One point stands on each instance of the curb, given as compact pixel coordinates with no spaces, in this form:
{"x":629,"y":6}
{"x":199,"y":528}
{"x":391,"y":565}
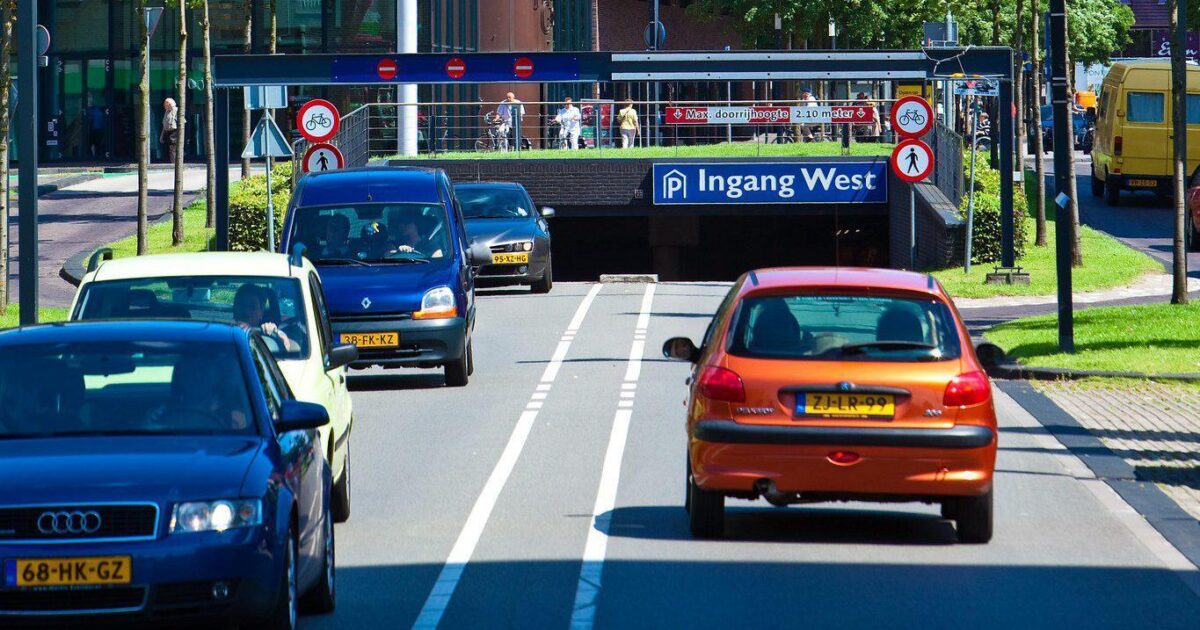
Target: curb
{"x":1018,"y":372}
{"x":1164,"y":515}
{"x":46,"y":189}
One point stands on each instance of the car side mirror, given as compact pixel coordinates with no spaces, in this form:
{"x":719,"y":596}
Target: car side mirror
{"x":479,"y":255}
{"x":300,"y":416}
{"x":342,"y":355}
{"x":681,"y":348}
{"x":989,"y":353}
{"x":548,"y":212}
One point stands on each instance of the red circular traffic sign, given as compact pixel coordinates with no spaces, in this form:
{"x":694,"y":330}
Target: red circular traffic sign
{"x":912,"y":160}
{"x":523,"y":67}
{"x":318,"y":120}
{"x":322,"y":157}
{"x":912,"y":116}
{"x":456,"y":68}
{"x":386,"y":69}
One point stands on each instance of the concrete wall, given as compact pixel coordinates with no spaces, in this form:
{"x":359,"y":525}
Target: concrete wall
{"x":940,"y":233}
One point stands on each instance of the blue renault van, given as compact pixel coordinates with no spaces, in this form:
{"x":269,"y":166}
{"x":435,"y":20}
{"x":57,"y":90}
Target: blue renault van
{"x":392,"y":251}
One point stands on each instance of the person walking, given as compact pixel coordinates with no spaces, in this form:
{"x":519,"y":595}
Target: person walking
{"x":169,"y":136}
{"x":569,"y":119}
{"x":509,"y":107}
{"x":804,"y":131}
{"x":628,"y":117}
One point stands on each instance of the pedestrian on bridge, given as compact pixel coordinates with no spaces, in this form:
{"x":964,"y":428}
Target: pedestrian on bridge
{"x":569,"y":119}
{"x":509,"y":107}
{"x":628,"y":117}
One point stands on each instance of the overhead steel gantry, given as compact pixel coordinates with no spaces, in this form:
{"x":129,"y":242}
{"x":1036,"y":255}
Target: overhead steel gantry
{"x":939,"y":64}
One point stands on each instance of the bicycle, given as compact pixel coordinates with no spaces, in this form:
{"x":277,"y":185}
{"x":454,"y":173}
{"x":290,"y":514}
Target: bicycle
{"x":318,"y":120}
{"x":911,"y":116}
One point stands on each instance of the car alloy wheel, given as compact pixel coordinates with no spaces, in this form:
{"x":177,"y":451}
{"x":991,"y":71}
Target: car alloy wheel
{"x":287,"y":606}
{"x":322,"y":598}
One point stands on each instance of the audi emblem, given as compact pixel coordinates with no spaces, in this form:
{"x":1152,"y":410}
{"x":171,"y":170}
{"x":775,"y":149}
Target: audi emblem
{"x":76,"y":522}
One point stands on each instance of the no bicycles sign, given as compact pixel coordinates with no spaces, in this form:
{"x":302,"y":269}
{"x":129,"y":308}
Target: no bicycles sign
{"x":912,"y":116}
{"x":317,"y":120}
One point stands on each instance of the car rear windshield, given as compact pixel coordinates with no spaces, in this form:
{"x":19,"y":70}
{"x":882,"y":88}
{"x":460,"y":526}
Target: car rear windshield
{"x":494,"y":203}
{"x":844,"y":327}
{"x":373,"y":233}
{"x":273,"y":306}
{"x":118,"y":388}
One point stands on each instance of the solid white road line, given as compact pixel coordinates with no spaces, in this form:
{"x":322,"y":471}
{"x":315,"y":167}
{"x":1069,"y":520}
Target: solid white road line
{"x":443,"y":589}
{"x":583,"y":614}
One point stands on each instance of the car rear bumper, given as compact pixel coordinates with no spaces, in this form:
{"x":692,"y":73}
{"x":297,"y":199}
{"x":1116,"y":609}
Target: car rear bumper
{"x":1161,"y":184}
{"x":172,"y":581}
{"x":423,"y":343}
{"x":891,"y":461}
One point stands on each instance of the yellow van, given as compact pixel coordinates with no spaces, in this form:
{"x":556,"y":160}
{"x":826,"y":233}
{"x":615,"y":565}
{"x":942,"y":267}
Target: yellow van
{"x":1133,"y":148}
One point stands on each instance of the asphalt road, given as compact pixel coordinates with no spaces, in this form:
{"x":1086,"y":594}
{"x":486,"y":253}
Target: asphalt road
{"x":535,"y":497}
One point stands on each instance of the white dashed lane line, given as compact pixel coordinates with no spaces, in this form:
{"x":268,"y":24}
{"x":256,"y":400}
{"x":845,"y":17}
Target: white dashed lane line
{"x":464,"y":547}
{"x":583,"y":614}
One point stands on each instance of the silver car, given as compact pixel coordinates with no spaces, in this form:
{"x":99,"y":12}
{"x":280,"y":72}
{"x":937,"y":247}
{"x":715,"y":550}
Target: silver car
{"x":502,"y":216}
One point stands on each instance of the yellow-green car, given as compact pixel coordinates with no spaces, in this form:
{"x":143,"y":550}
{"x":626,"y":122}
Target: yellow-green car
{"x":280,"y":296}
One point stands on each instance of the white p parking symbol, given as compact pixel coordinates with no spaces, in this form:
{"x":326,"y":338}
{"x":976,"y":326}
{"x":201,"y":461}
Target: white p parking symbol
{"x":674,"y":182}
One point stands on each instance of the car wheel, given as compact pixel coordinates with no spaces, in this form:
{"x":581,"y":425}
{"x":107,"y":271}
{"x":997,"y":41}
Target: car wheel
{"x":547,"y":281}
{"x":470,"y":359}
{"x":287,"y":604}
{"x":457,"y":372}
{"x":949,"y":509}
{"x":1097,"y":186}
{"x":707,"y":514}
{"x":973,"y":518}
{"x":322,"y":599}
{"x":1195,"y":242}
{"x":1112,"y":193}
{"x":341,"y":492}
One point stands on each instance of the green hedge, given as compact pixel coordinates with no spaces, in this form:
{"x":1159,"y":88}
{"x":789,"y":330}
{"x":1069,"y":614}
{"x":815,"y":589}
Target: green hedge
{"x":985,"y":241}
{"x":248,"y":209}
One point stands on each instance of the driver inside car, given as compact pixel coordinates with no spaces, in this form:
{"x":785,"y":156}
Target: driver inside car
{"x":407,"y":236}
{"x":337,"y":237}
{"x":202,"y":392}
{"x":249,"y":311}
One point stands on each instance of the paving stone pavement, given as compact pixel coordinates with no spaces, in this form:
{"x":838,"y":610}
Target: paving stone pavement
{"x":1155,"y":427}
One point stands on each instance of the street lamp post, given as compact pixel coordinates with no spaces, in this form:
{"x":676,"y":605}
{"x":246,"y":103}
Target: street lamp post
{"x":25,"y":32}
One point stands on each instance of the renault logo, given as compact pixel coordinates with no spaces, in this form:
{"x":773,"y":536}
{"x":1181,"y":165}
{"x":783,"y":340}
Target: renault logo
{"x":77,"y":522}
{"x":366,"y":303}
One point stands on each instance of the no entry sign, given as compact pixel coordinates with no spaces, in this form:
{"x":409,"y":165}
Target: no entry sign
{"x":912,"y":116}
{"x":523,"y":67}
{"x":386,"y":69}
{"x":317,"y":120}
{"x":456,"y":68}
{"x":322,"y":157}
{"x":912,"y":160}
{"x":755,"y":114}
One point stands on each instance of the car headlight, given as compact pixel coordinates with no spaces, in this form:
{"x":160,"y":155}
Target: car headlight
{"x":523,"y":246}
{"x":437,"y":303}
{"x":215,"y":516}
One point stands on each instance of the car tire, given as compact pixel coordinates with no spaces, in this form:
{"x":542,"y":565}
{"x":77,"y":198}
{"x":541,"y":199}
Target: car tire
{"x":287,"y":605}
{"x":322,"y":599}
{"x":1097,"y":186}
{"x":1112,"y":192}
{"x":341,"y":492}
{"x":547,"y":280}
{"x":470,"y":359}
{"x":973,"y":518}
{"x":949,"y":509}
{"x":458,"y":372}
{"x":707,"y":515}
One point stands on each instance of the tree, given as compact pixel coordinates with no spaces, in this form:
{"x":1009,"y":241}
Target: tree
{"x":143,"y":123}
{"x":181,"y":88}
{"x":1072,"y":219}
{"x":1179,"y":294}
{"x":6,"y":43}
{"x":210,"y":189}
{"x":1035,"y":107}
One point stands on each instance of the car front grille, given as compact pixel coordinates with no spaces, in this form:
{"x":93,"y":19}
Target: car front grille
{"x":69,"y":523}
{"x":75,"y":600}
{"x":371,"y":317}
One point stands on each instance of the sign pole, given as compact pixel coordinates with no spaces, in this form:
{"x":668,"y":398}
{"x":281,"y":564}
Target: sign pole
{"x":270,"y":202}
{"x":1062,"y":174}
{"x":25,"y":33}
{"x":971,"y":199}
{"x":912,"y":227}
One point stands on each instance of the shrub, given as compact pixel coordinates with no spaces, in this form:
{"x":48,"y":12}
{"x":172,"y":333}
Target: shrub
{"x":248,"y":209}
{"x":985,"y":240}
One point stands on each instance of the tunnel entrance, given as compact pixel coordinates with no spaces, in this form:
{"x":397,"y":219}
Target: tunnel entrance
{"x":720,"y":247}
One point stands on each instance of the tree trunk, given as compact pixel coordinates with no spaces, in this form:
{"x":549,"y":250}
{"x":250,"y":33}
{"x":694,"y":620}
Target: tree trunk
{"x":1019,"y":95}
{"x":1179,"y":294}
{"x":1035,"y":107}
{"x":143,"y":123}
{"x":210,"y":188}
{"x":6,"y":41}
{"x":1072,"y":184}
{"x":274,"y":26}
{"x":247,"y":32}
{"x":181,"y":87}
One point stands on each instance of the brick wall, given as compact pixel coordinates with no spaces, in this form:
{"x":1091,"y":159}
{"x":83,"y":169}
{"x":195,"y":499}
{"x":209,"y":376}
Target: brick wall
{"x":940,"y":233}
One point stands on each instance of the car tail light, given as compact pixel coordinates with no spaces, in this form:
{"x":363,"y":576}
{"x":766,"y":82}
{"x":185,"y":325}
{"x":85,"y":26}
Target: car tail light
{"x":717,"y":383}
{"x":1117,"y":145}
{"x":970,"y":388}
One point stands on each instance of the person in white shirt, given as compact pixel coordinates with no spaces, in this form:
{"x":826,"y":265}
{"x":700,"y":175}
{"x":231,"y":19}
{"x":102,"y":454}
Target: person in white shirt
{"x":569,"y":119}
{"x":509,"y":108}
{"x":804,"y":131}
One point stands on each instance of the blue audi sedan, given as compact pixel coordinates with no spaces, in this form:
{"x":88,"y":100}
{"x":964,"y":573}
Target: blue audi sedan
{"x":159,"y":472}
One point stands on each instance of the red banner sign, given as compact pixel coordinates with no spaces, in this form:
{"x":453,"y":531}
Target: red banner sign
{"x":770,"y":115}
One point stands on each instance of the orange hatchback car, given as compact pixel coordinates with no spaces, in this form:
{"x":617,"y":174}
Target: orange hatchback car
{"x":825,"y":384}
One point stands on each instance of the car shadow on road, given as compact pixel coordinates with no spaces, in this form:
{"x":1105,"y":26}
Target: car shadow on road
{"x":792,"y":524}
{"x":374,"y":382}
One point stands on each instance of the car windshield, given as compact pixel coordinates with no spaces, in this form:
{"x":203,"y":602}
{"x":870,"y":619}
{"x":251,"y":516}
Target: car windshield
{"x":845,"y":327}
{"x":493,"y":203}
{"x":373,"y":233}
{"x":115,"y":388}
{"x":273,"y":306}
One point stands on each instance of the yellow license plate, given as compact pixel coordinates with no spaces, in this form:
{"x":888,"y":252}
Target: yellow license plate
{"x":510,"y":259}
{"x":853,"y":406}
{"x":1143,"y":183}
{"x":372,"y":340}
{"x":69,"y":571}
